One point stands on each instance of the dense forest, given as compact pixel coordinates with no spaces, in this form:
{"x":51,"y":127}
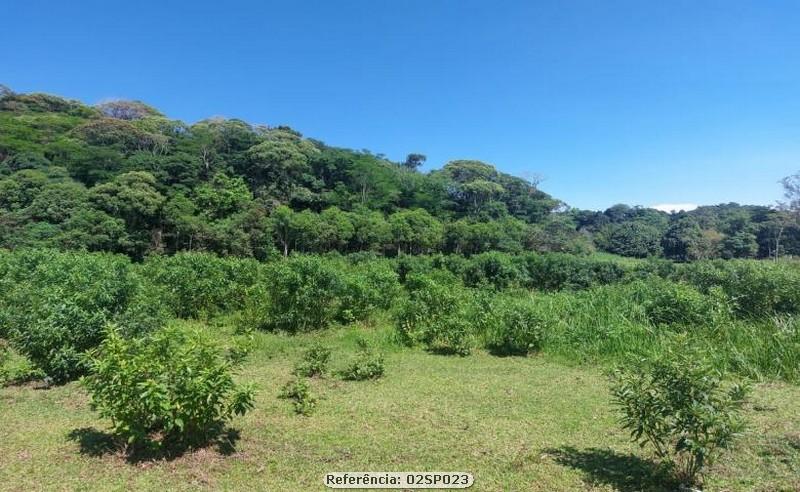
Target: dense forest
{"x":122,"y":177}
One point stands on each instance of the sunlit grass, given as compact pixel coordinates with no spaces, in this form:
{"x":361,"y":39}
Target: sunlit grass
{"x":515,"y":423}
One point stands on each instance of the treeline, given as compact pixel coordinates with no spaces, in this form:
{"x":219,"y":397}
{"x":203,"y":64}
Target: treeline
{"x":122,"y":177}
{"x":720,"y":231}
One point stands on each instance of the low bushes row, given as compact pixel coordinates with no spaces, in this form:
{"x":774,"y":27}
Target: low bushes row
{"x":56,"y":306}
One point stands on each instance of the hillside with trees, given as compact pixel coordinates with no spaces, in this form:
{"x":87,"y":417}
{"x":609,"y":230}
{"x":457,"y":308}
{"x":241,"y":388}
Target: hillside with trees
{"x":122,"y":177}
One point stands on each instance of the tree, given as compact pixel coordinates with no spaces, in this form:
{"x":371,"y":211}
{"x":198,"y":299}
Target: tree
{"x":791,"y":205}
{"x":634,"y":239}
{"x":742,"y":244}
{"x":127,"y":110}
{"x":371,"y":231}
{"x":134,"y":198}
{"x":414,"y":161}
{"x":415,"y":231}
{"x":282,"y":221}
{"x":223,"y":196}
{"x":684,"y":240}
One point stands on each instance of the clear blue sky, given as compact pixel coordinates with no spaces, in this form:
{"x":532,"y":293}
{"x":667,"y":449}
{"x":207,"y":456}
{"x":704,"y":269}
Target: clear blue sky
{"x":642,"y":102}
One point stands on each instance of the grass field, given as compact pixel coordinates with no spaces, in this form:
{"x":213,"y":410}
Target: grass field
{"x":514,"y":423}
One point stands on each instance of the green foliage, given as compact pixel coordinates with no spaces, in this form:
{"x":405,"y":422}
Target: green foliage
{"x":56,"y":306}
{"x":673,"y":303}
{"x":556,"y":271}
{"x":174,"y":384}
{"x":366,"y":288}
{"x":314,"y":362}
{"x":635,"y":239}
{"x":199,"y":285}
{"x":303,"y":294}
{"x":518,"y":327}
{"x":368,"y":364}
{"x":755,"y":289}
{"x":303,"y":399}
{"x":438,"y":315}
{"x":681,"y":407}
{"x":494,"y":269}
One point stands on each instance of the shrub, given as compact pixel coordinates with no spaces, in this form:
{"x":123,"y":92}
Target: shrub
{"x":757,"y":288}
{"x":680,"y":406}
{"x":672,"y":303}
{"x":437,"y":315}
{"x":58,"y":305}
{"x":199,"y":285}
{"x":173,"y":383}
{"x":519,"y":328}
{"x":303,"y":294}
{"x":556,"y":271}
{"x":314,"y":362}
{"x":15,"y":368}
{"x":299,"y":391}
{"x":494,"y":269}
{"x":369,"y":364}
{"x":366,"y":288}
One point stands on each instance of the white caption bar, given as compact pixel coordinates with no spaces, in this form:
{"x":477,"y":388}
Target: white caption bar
{"x":397,"y":480}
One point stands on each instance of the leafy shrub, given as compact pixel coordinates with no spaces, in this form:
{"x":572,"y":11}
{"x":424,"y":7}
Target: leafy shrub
{"x":173,"y":383}
{"x":679,"y":406}
{"x":299,"y":391}
{"x":366,"y":288}
{"x":673,"y":303}
{"x":556,"y":271}
{"x":303,"y":294}
{"x":495,"y":269}
{"x":757,"y":288}
{"x":314,"y":362}
{"x":198,"y":285}
{"x":519,"y":328}
{"x":368,"y":364}
{"x":437,"y":315}
{"x":15,"y":368}
{"x":58,"y":305}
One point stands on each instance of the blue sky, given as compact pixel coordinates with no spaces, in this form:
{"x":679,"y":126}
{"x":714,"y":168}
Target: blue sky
{"x":641,"y":102}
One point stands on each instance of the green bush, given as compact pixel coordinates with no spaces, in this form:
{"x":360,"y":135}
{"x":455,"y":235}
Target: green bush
{"x":519,"y":328}
{"x":494,"y":269}
{"x":368,"y":364}
{"x":303,"y":399}
{"x":199,"y":285}
{"x":314,"y":362}
{"x":756,"y":288}
{"x":438,"y":315}
{"x":174,"y":384}
{"x":557,"y":271}
{"x":58,"y":304}
{"x":678,"y":405}
{"x":304,"y":294}
{"x":366,"y":288}
{"x":673,"y":303}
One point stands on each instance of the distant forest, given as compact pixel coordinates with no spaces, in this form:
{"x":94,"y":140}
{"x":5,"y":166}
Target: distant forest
{"x":122,"y":177}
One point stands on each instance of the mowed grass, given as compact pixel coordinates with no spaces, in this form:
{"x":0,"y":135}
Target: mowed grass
{"x":514,"y":423}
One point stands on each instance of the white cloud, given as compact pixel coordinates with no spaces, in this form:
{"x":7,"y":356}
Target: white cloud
{"x":674,"y":207}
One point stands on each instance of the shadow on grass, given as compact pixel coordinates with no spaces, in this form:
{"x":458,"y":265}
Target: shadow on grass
{"x":623,"y":472}
{"x":96,"y":443}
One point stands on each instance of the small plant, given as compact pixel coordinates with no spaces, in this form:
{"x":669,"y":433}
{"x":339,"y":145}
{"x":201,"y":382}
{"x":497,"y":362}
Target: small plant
{"x":441,"y":316}
{"x":314,"y":362}
{"x":174,"y":384}
{"x":519,"y":329}
{"x":369,"y":364}
{"x":299,"y":391}
{"x":679,"y":406}
{"x":303,"y":295}
{"x":674,"y":303}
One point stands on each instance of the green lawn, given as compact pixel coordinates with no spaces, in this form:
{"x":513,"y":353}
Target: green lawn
{"x":514,"y":423}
